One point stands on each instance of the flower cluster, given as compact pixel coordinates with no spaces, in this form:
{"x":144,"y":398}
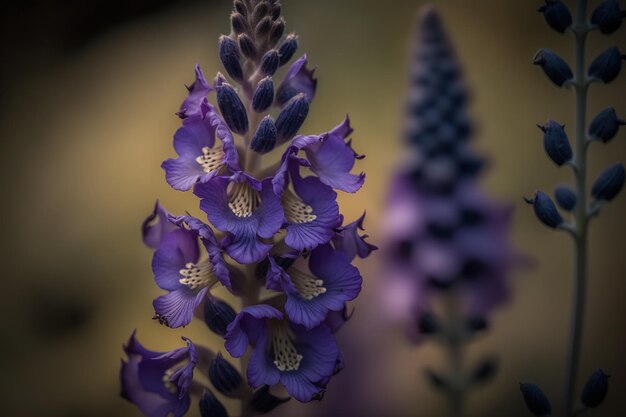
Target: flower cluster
{"x":272,"y":230}
{"x":447,"y":243}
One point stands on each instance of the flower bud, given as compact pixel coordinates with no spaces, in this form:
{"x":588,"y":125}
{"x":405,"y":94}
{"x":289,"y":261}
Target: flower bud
{"x":565,"y":197}
{"x":246,"y":46}
{"x":607,"y":16}
{"x":545,"y":210}
{"x":260,"y":11}
{"x":557,"y":15}
{"x":291,"y":117}
{"x":263,"y":401}
{"x":264,"y":139}
{"x":240,"y":7}
{"x":239,"y":23}
{"x":231,"y":107}
{"x":263,"y":27}
{"x":556,"y":143}
{"x":427,"y":323}
{"x":485,"y":370}
{"x":595,"y":389}
{"x":277,"y":30}
{"x":607,"y":65}
{"x":288,"y":48}
{"x":218,"y":315}
{"x":605,"y":125}
{"x":275,"y":11}
{"x":554,"y":66}
{"x":270,"y":62}
{"x":211,"y":406}
{"x":536,"y":400}
{"x":224,"y":376}
{"x":263,"y":95}
{"x":609,"y":182}
{"x":229,"y":55}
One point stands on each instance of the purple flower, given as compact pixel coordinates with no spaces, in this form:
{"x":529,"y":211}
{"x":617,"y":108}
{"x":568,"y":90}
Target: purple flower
{"x":179,"y":269}
{"x":298,"y":79}
{"x":248,"y":210}
{"x":329,"y":283}
{"x":327,"y":155}
{"x":155,"y":226}
{"x":350,"y":242}
{"x":200,"y":158}
{"x":198,"y":91}
{"x":300,"y":359}
{"x":156,"y":382}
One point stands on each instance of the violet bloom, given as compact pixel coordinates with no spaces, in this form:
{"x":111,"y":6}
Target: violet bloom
{"x":155,"y":226}
{"x":300,"y":359}
{"x":351,"y":242}
{"x":158,"y":382}
{"x":197,"y":94}
{"x":329,"y":283}
{"x":298,"y":80}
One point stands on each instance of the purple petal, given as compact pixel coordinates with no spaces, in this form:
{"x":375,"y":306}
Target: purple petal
{"x":261,"y":371}
{"x":176,"y":249}
{"x":176,"y":308}
{"x":298,"y":79}
{"x":155,"y":226}
{"x":351,"y":243}
{"x":332,"y":161}
{"x":248,"y":327}
{"x":197,"y":93}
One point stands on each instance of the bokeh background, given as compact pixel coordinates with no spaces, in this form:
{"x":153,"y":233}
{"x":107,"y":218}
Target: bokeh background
{"x":88,"y":95}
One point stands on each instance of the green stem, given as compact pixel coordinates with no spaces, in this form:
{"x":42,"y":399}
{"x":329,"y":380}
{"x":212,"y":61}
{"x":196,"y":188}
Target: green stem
{"x":580,"y":239}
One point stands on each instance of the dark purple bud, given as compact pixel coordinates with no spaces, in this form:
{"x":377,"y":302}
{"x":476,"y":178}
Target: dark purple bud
{"x":545,"y":210}
{"x":260,"y":11}
{"x":277,"y":31}
{"x":291,"y":117}
{"x":565,"y":197}
{"x":263,"y":27}
{"x":270,"y":62}
{"x":554,"y":66}
{"x":246,"y":46}
{"x":476,"y":323}
{"x":263,"y":95}
{"x":436,"y":379}
{"x":211,"y":406}
{"x":609,"y":183}
{"x":427,"y":323}
{"x":240,"y":7}
{"x":607,"y":16}
{"x":263,"y":401}
{"x":232,"y":109}
{"x":239,"y":23}
{"x":218,"y":315}
{"x":224,"y":376}
{"x":557,"y":15}
{"x":607,"y":65}
{"x":605,"y":125}
{"x":595,"y":389}
{"x":229,"y":55}
{"x":536,"y":400}
{"x":485,"y":370}
{"x":556,"y":143}
{"x":265,"y":137}
{"x":288,"y":48}
{"x":276,"y":10}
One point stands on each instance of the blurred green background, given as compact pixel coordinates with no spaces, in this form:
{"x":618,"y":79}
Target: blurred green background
{"x":88,"y":95}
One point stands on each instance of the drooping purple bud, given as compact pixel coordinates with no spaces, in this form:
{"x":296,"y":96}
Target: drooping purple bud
{"x":298,"y":79}
{"x":277,"y":31}
{"x":265,"y":137}
{"x":536,"y":400}
{"x":545,"y":210}
{"x":231,"y":107}
{"x":554,"y":66}
{"x":263,"y":28}
{"x":224,"y":376}
{"x":485,"y":370}
{"x":263,"y":95}
{"x":270,"y":62}
{"x":240,"y":7}
{"x":427,"y":323}
{"x":565,"y":197}
{"x":557,"y":15}
{"x":556,"y":143}
{"x":607,"y":65}
{"x":291,"y":117}
{"x":595,"y":389}
{"x":218,"y":315}
{"x":239,"y":23}
{"x":609,"y":183}
{"x":605,"y":125}
{"x":229,"y":55}
{"x":288,"y":48}
{"x":263,"y":401}
{"x":607,"y":16}
{"x":211,"y":406}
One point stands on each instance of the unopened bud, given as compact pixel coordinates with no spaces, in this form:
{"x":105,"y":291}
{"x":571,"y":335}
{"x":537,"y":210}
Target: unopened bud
{"x":246,"y":46}
{"x":263,"y":95}
{"x":263,"y":28}
{"x":275,"y":11}
{"x":218,"y":315}
{"x":607,"y":65}
{"x":556,"y":143}
{"x":240,"y":7}
{"x":224,"y":376}
{"x":288,"y":48}
{"x":557,"y":15}
{"x":260,"y":11}
{"x":239,"y":23}
{"x":291,"y":117}
{"x":263,"y":401}
{"x":554,"y":66}
{"x":264,"y":139}
{"x":229,"y":55}
{"x":595,"y":389}
{"x":270,"y":62}
{"x":211,"y":406}
{"x":609,"y":183}
{"x":545,"y":210}
{"x":565,"y":197}
{"x":605,"y":125}
{"x":607,"y":16}
{"x":232,"y":108}
{"x":277,"y":31}
{"x":536,"y":400}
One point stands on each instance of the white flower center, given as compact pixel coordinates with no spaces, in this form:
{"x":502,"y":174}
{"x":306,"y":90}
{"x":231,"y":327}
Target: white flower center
{"x":296,"y":211}
{"x":197,"y":275}
{"x":211,"y":158}
{"x":286,"y":357}
{"x":243,"y":199}
{"x":308,"y":286}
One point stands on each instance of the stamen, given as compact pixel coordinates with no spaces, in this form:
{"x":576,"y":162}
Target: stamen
{"x":197,"y":275}
{"x":296,"y":211}
{"x":211,"y":159}
{"x":308,"y":286}
{"x":243,"y":199}
{"x":286,"y":357}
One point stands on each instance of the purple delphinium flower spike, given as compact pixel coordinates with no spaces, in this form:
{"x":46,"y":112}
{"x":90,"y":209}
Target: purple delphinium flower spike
{"x":158,"y":383}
